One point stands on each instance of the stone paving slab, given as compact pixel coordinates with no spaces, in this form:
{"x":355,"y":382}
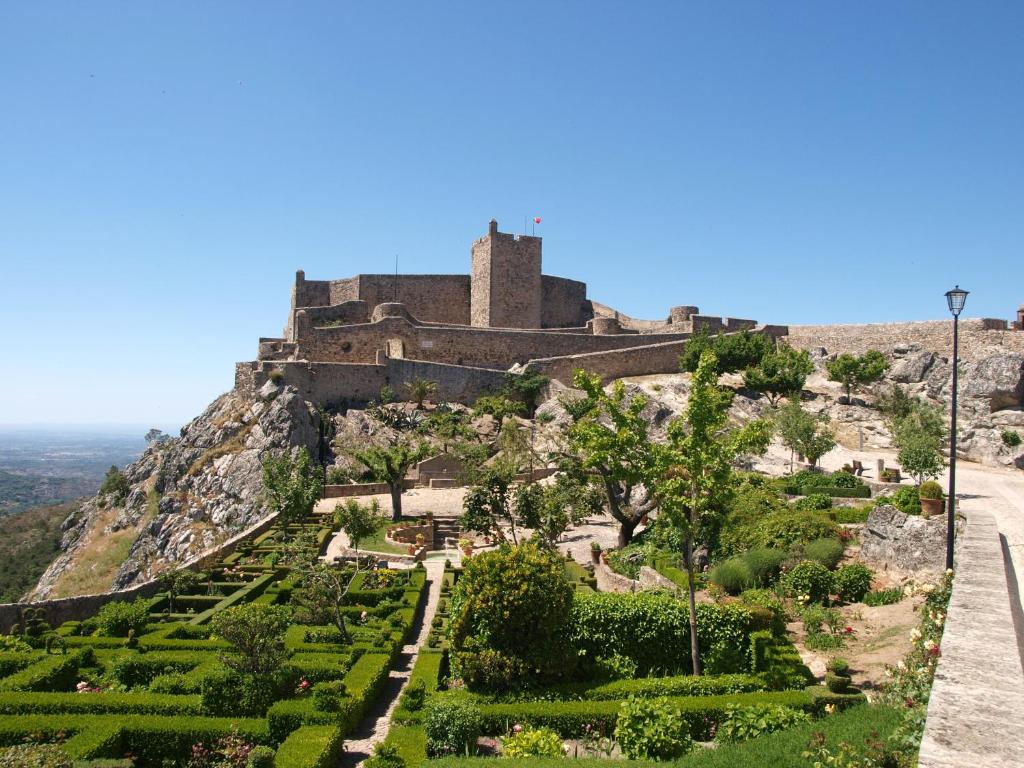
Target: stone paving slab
{"x":976,"y":710}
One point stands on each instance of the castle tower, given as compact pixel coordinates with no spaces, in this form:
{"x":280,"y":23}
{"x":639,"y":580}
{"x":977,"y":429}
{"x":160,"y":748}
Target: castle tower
{"x":505,"y":281}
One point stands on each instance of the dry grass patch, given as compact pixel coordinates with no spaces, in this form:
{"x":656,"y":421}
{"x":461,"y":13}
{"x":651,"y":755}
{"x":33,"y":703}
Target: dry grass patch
{"x":234,"y":444}
{"x":98,"y":560}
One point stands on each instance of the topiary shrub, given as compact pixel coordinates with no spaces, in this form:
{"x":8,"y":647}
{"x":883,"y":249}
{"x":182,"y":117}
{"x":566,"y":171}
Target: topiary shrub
{"x":118,"y":619}
{"x":532,"y":742}
{"x":385,"y":755}
{"x":905,"y":499}
{"x":510,"y":617}
{"x":732,"y":575}
{"x":260,"y":757}
{"x":852,"y":582}
{"x":828,"y":552}
{"x":930,"y":490}
{"x":764,"y":565}
{"x":808,"y":579}
{"x":452,"y":725}
{"x":652,"y":729}
{"x":414,"y":695}
{"x":742,"y":723}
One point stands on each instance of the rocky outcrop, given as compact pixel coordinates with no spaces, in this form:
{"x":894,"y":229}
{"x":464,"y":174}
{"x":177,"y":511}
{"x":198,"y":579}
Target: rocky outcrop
{"x":904,"y":545}
{"x":188,"y":494}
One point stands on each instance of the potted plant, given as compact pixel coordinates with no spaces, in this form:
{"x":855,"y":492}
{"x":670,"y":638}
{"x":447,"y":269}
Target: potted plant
{"x":931,"y":499}
{"x":420,"y":539}
{"x":595,"y":552}
{"x":466,"y":546}
{"x":412,"y":549}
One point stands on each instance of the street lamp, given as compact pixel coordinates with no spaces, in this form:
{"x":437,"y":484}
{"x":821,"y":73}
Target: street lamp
{"x":955,"y":299}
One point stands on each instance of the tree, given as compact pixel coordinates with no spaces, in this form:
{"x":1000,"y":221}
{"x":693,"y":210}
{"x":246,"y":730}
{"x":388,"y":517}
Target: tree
{"x":527,"y":387}
{"x":803,"y":432}
{"x":498,"y":406}
{"x":420,"y":389}
{"x":448,"y":426}
{"x":550,"y":510}
{"x":734,"y":351}
{"x":608,"y":436}
{"x":115,"y":486}
{"x":358,"y":520}
{"x":292,"y":486}
{"x":156,"y":437}
{"x":852,"y":371}
{"x":390,"y":463}
{"x":178,"y":582}
{"x":256,"y":630}
{"x":918,"y":436}
{"x":780,"y":373}
{"x":488,"y":504}
{"x":693,"y":478}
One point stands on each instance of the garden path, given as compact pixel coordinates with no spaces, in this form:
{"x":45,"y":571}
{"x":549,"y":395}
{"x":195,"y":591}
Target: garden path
{"x":374,"y":726}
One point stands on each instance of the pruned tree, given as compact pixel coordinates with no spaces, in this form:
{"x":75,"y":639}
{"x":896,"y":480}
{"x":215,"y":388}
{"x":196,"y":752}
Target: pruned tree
{"x":693,"y":475}
{"x":256,"y":631}
{"x":179,"y":582}
{"x":291,"y":486}
{"x":918,"y":436}
{"x":358,"y":521}
{"x":389,"y":464}
{"x":781,"y":373}
{"x":803,"y":432}
{"x":608,"y":436}
{"x":853,"y":371}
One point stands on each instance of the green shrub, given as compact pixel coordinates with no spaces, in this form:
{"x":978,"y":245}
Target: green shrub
{"x":813,"y":501}
{"x":414,"y":695}
{"x":858,"y":514}
{"x":1011,"y":438}
{"x":828,"y":552}
{"x":852,"y":582}
{"x":732,"y":575}
{"x":837,"y":683}
{"x":385,"y":755}
{"x":328,"y":695}
{"x":904,"y":498}
{"x":260,"y":757}
{"x":883,"y":597}
{"x":930,"y":490}
{"x":742,"y":723}
{"x":311,"y":746}
{"x":652,"y":629}
{"x":510,"y":613}
{"x":838,"y":665}
{"x":615,"y":668}
{"x":808,"y":480}
{"x":780,"y":530}
{"x":228,"y":692}
{"x":452,"y":726}
{"x":35,"y":756}
{"x":809,"y":579}
{"x":118,"y":618}
{"x":764,"y":565}
{"x":651,"y":729}
{"x":115,"y":485}
{"x":532,"y":742}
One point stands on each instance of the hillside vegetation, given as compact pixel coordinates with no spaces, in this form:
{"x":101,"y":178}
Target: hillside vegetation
{"x":30,"y":541}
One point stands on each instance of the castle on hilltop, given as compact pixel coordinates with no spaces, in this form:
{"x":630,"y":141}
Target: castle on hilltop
{"x":344,"y":340}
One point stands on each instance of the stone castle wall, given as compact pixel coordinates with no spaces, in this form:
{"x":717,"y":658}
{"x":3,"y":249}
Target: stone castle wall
{"x":505,"y":274}
{"x":976,"y":336}
{"x":478,"y":347}
{"x":564,"y":303}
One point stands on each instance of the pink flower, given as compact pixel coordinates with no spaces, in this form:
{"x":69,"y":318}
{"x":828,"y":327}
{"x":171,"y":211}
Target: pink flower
{"x":517,"y":728}
{"x":849,"y":630}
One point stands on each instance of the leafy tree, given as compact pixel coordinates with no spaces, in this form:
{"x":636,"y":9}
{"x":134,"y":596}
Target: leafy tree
{"x":420,"y":389}
{"x":358,"y":520}
{"x":498,"y":406}
{"x":488,"y":505}
{"x":608,"y":436}
{"x":734,"y":351}
{"x":292,"y":486}
{"x":854,"y":371}
{"x":693,"y":482}
{"x":390,"y":463}
{"x":550,"y":510}
{"x":178,"y":582}
{"x":115,"y":485}
{"x":894,"y":404}
{"x":256,"y":630}
{"x":780,"y":373}
{"x":526,"y":386}
{"x":448,"y":426}
{"x":803,"y":432}
{"x":156,"y":437}
{"x":918,"y":437}
{"x":324,"y":592}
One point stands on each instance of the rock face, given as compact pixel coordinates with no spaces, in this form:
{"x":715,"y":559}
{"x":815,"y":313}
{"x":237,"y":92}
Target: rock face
{"x":190,"y":493}
{"x":904,"y":545}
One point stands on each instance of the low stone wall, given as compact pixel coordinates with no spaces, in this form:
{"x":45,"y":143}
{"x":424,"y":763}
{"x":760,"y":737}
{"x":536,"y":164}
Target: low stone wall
{"x":83,"y":606}
{"x":974,"y":714}
{"x":407,"y":534}
{"x":354,"y":489}
{"x":610,"y":581}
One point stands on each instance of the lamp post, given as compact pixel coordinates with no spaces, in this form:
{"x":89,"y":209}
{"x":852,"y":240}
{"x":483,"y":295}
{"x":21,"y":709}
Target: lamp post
{"x":955,"y":299}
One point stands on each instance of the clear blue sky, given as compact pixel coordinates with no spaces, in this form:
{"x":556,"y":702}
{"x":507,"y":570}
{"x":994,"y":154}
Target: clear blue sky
{"x":165,"y":168}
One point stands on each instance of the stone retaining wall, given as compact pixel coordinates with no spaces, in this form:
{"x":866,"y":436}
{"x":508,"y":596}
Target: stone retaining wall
{"x":977,"y":701}
{"x":610,"y":581}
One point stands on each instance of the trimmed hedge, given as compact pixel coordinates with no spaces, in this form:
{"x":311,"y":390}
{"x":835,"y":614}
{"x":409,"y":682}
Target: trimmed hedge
{"x":31,"y":702}
{"x":51,"y":673}
{"x":700,"y":713}
{"x":428,"y":670}
{"x":860,"y":492}
{"x":311,"y":746}
{"x":15,"y":661}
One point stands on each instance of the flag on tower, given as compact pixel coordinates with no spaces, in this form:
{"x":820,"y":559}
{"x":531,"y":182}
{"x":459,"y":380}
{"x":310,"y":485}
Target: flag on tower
{"x":536,"y":219}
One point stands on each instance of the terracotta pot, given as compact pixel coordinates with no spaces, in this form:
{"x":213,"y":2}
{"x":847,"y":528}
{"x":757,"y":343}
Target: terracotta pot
{"x":931,"y":507}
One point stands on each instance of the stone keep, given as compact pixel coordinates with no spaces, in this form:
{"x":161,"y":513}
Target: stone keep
{"x":505,"y":280}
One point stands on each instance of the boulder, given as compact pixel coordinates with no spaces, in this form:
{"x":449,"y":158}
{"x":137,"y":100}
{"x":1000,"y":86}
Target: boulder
{"x":998,"y":380}
{"x":904,"y":545}
{"x":912,"y":368}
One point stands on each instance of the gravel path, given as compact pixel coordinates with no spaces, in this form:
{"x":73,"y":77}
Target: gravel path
{"x":377,"y":720}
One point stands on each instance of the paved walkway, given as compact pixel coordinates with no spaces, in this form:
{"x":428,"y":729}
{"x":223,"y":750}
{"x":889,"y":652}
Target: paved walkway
{"x":377,"y":720}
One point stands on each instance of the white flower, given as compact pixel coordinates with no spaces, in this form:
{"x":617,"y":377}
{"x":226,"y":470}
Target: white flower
{"x":901,"y":666}
{"x":915,"y":634}
{"x":927,"y":588}
{"x":929,"y":644}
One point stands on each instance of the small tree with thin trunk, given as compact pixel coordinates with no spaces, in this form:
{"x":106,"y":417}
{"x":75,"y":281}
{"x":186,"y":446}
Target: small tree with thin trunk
{"x":854,"y":371}
{"x":176,"y":583}
{"x":803,"y":432}
{"x":358,"y":521}
{"x":781,"y":373}
{"x":389,"y":463}
{"x":693,"y":477}
{"x":608,"y":436}
{"x":292,"y":486}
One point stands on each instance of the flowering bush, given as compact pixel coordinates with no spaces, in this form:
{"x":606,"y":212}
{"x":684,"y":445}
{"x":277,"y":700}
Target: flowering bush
{"x":532,"y":742}
{"x":809,"y":579}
